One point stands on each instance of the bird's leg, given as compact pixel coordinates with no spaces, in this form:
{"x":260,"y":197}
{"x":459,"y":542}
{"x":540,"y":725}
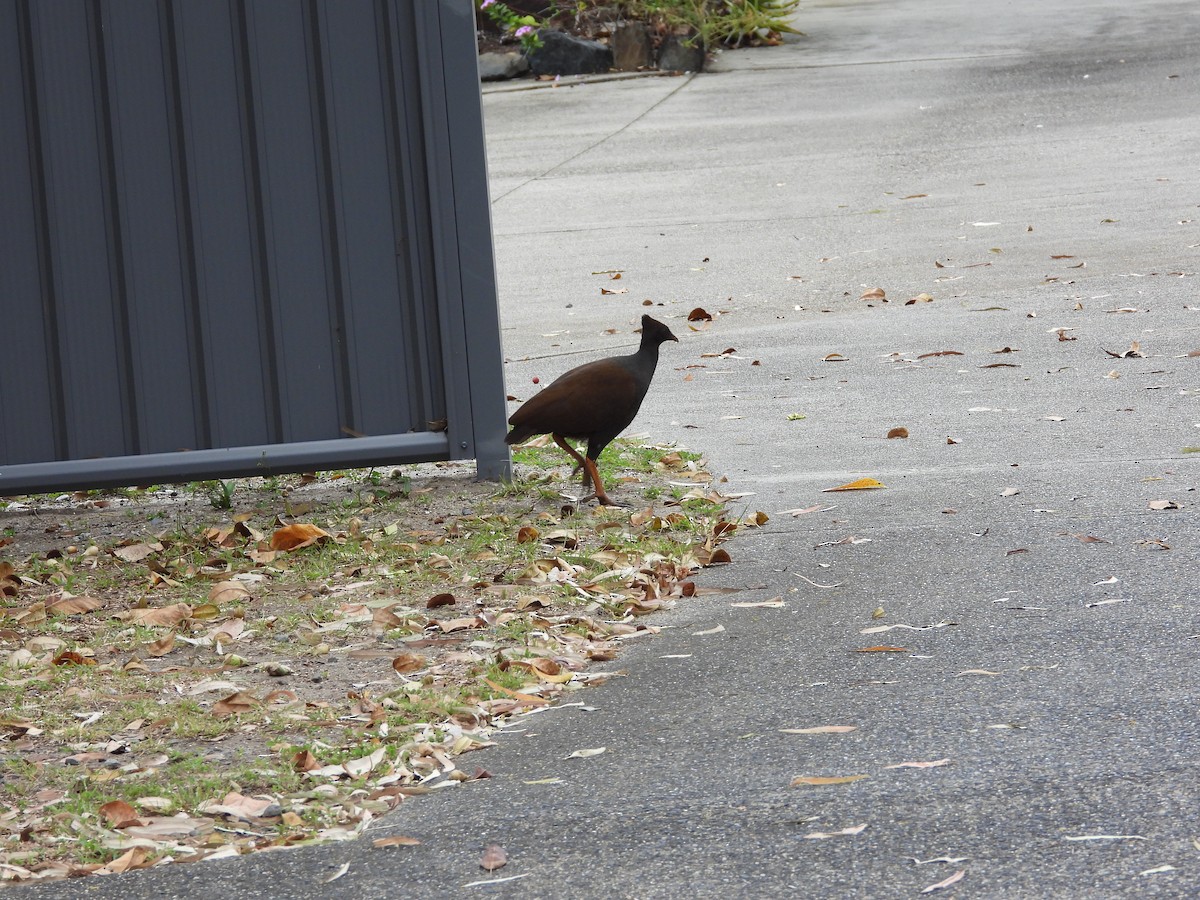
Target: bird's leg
{"x":589,"y":466}
{"x":579,"y":463}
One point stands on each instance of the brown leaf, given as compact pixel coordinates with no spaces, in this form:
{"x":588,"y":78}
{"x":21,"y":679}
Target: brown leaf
{"x":518,"y":695}
{"x":494,"y":858}
{"x":69,"y":606}
{"x":1001,"y":366}
{"x":304,"y":761}
{"x":156,"y":615}
{"x":131,"y":859}
{"x":1135,"y":350}
{"x":120,"y":814}
{"x":409,"y":662}
{"x":941,"y":353}
{"x":437,"y":600}
{"x":899,"y":432}
{"x":920,"y":298}
{"x":296,"y":536}
{"x":227,"y":592}
{"x":876,"y":293}
{"x":73,"y":658}
{"x":161,"y":647}
{"x":526,"y":534}
{"x":882,"y":648}
{"x":233,"y":705}
{"x":699,"y":314}
{"x":401,"y":840}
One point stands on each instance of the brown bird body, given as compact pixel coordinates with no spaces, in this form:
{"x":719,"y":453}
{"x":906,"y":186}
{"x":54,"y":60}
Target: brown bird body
{"x":594,"y":402}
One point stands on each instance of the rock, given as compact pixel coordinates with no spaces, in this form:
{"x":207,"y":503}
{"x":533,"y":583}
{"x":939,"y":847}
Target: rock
{"x":562,"y":54}
{"x":678,"y":56}
{"x":499,"y":66}
{"x":631,"y":47}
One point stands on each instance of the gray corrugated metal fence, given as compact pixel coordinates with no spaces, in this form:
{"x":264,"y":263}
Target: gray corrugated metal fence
{"x":242,"y":229}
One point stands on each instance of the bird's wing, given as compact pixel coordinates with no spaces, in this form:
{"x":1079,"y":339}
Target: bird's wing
{"x":591,"y":398}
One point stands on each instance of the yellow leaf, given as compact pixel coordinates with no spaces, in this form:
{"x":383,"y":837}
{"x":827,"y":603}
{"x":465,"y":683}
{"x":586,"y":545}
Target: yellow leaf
{"x":863,"y":484}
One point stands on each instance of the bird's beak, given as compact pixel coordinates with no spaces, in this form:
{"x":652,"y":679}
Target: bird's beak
{"x":675,"y":339}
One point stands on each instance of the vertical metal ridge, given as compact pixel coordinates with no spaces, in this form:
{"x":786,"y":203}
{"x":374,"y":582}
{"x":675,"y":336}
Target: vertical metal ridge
{"x":115,"y":239}
{"x":41,"y":205}
{"x":201,"y":395}
{"x":321,"y":95}
{"x":405,"y":213}
{"x":256,"y":208}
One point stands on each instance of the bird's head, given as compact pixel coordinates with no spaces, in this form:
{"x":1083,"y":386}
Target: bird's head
{"x":654,"y":331}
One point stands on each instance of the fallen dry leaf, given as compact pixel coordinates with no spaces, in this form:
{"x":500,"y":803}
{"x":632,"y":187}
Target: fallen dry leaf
{"x":953,"y":879}
{"x":120,"y":814}
{"x":822,"y":835}
{"x":821,"y":729}
{"x":162,"y":615}
{"x":822,"y":779}
{"x":409,"y":662}
{"x":494,"y":858}
{"x":876,"y":293}
{"x":920,"y":765}
{"x":899,"y":432}
{"x":233,"y":705}
{"x":297,"y":536}
{"x":227,"y":592}
{"x":862,"y":484}
{"x":398,"y":840}
{"x":587,"y":752}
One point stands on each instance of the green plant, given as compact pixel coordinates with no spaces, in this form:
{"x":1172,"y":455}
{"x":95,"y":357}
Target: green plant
{"x":523,"y":28}
{"x":219,"y":493}
{"x":733,"y":23}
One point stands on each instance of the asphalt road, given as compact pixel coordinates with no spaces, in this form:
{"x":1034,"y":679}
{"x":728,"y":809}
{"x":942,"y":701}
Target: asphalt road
{"x":1031,"y":166}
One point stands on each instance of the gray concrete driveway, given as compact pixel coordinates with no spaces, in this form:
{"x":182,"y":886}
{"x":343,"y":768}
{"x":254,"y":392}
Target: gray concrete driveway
{"x":1031,"y":166}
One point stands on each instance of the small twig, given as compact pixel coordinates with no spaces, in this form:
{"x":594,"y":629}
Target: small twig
{"x":814,"y":584}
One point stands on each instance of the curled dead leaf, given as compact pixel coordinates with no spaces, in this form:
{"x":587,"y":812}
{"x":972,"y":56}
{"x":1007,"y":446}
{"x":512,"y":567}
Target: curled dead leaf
{"x":443,"y":599}
{"x":120,"y":814}
{"x":409,"y":662}
{"x":297,"y":536}
{"x":233,"y":705}
{"x":862,"y":484}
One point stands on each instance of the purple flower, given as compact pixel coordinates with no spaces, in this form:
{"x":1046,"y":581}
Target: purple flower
{"x":486,"y":3}
{"x":523,"y":30}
